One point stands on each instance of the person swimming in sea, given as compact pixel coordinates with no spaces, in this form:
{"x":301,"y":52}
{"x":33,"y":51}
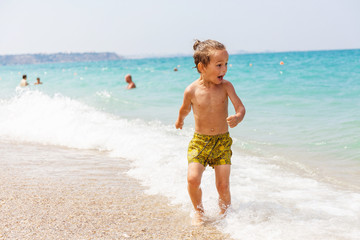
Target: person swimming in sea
{"x":23,"y":82}
{"x":38,"y":81}
{"x":128,"y":79}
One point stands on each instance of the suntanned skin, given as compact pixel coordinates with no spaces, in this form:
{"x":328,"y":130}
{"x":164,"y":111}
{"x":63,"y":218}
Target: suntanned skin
{"x":208,"y":97}
{"x":128,"y":79}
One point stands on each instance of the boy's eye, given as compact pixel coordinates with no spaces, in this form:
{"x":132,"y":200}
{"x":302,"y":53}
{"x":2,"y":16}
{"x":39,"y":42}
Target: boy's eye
{"x":226,"y":64}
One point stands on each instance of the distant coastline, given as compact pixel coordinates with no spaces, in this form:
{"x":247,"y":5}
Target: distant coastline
{"x":19,"y":59}
{"x":58,"y":57}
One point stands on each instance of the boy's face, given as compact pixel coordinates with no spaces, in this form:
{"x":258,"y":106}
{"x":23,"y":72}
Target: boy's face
{"x":215,"y":71}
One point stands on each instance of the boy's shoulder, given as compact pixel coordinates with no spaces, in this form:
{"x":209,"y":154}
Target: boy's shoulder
{"x":227,"y":84}
{"x":192,"y":86}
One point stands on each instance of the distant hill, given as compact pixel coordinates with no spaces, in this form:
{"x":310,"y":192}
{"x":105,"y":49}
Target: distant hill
{"x":57,"y":57}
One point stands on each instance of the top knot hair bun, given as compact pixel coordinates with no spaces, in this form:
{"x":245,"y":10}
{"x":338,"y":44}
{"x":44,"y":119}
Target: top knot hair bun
{"x":196,"y":44}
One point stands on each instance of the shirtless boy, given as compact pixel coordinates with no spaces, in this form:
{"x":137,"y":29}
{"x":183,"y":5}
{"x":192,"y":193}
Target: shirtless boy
{"x":211,"y":144}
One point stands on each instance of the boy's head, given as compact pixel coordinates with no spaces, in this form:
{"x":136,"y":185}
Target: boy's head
{"x":204,"y":50}
{"x":24,"y":76}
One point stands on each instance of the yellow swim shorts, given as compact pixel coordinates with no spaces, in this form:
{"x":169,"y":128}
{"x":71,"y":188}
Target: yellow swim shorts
{"x":210,"y":150}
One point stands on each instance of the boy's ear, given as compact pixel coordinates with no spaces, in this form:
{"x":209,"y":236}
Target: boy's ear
{"x":201,"y":67}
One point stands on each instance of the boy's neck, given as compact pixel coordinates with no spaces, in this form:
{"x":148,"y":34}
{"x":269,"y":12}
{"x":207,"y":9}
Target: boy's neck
{"x":205,"y":83}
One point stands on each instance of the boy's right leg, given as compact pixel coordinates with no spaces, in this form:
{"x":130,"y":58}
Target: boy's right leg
{"x":195,"y":171}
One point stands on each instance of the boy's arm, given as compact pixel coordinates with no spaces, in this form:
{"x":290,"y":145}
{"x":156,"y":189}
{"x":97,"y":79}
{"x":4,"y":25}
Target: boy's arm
{"x":234,"y":120}
{"x":184,"y":109}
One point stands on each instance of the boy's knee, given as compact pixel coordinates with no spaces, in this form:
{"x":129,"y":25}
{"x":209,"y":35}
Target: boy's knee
{"x":194,"y":181}
{"x":222,"y":187}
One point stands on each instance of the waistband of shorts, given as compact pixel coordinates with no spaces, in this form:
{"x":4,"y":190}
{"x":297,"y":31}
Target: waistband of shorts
{"x":208,"y":137}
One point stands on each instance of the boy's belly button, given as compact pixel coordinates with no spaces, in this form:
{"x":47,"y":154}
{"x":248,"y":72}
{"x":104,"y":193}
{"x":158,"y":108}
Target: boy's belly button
{"x":212,"y":129}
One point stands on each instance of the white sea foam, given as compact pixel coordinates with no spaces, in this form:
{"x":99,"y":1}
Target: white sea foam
{"x":104,"y":94}
{"x":267,"y":201}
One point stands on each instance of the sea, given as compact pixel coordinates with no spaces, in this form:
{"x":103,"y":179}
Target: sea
{"x":296,"y":155}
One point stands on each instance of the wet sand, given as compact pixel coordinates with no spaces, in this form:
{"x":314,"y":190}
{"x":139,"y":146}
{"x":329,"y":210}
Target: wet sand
{"x":59,"y":193}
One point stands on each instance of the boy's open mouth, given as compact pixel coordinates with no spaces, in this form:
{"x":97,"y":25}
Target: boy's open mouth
{"x":220,"y":78}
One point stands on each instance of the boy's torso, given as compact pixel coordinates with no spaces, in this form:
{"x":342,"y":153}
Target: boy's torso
{"x":210,"y":107}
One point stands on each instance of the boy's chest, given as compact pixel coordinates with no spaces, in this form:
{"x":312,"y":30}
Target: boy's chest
{"x":210,"y":98}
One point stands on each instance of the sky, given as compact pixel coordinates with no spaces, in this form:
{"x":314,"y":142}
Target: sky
{"x":133,"y":28}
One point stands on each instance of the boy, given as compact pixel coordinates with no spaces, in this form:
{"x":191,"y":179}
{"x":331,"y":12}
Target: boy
{"x":211,"y":144}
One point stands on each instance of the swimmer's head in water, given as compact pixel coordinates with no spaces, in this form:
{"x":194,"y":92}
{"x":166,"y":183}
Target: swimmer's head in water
{"x":128,"y":78}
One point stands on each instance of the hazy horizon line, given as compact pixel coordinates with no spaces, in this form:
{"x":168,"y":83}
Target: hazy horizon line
{"x":141,"y":56}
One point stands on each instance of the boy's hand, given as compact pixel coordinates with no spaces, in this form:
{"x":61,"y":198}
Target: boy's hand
{"x":232,"y":121}
{"x":179,"y":124}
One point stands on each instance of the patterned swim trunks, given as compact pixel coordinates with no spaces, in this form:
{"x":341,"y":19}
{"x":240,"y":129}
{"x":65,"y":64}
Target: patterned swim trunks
{"x":210,"y":150}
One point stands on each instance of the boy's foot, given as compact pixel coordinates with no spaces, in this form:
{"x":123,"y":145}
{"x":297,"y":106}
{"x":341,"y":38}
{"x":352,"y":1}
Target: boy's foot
{"x":198,"y":219}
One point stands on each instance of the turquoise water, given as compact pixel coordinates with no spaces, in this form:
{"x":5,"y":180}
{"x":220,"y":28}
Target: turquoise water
{"x":308,"y":105}
{"x":302,"y":126}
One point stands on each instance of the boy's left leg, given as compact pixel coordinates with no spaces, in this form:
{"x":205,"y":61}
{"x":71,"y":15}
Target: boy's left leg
{"x":222,"y":178}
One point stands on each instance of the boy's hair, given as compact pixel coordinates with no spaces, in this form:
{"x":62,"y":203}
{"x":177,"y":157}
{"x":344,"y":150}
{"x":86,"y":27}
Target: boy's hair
{"x":24,"y":76}
{"x":204,"y":49}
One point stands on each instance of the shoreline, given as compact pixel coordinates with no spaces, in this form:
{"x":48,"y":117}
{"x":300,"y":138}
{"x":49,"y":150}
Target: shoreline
{"x":35,"y":203}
